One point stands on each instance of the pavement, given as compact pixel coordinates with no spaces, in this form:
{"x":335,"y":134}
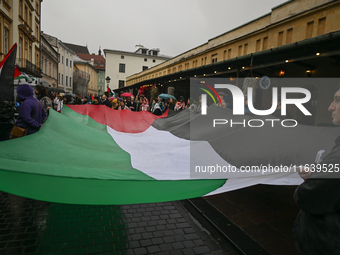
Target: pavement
{"x":35,"y":227}
{"x":261,"y":214}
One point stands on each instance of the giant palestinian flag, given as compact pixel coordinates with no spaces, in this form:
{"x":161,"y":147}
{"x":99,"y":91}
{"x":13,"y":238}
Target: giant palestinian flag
{"x":91,"y":154}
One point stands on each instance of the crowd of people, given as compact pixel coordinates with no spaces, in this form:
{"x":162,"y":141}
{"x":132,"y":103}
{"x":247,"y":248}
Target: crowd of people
{"x":317,"y":226}
{"x":157,"y":105}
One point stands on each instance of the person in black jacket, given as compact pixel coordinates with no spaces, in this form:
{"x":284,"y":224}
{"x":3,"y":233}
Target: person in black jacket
{"x":104,"y":101}
{"x":317,"y":227}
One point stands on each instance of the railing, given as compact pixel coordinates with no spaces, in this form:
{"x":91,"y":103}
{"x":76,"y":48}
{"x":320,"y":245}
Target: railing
{"x":28,"y":67}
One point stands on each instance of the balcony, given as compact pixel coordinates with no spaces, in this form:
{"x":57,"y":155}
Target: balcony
{"x":28,"y":67}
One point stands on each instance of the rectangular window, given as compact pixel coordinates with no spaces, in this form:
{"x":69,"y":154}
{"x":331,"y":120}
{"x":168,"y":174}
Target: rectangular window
{"x":258,"y":45}
{"x":59,"y":78}
{"x":30,"y":19}
{"x":101,"y":80}
{"x":145,"y":60}
{"x":37,"y":7}
{"x":25,"y":13}
{"x":245,"y":49}
{"x":66,"y":80}
{"x":6,"y":32}
{"x":240,"y":50}
{"x":122,"y":57}
{"x":20,"y":8}
{"x":214,"y":58}
{"x":309,"y":30}
{"x":30,"y":54}
{"x":265,"y":43}
{"x":225,"y":55}
{"x":37,"y":32}
{"x":289,"y":35}
{"x":280,"y":39}
{"x":121,"y":84}
{"x":62,"y":79}
{"x":144,"y":68}
{"x":62,"y":59}
{"x":49,"y":67}
{"x":70,"y":81}
{"x":67,"y":62}
{"x":20,"y":48}
{"x":229,"y":53}
{"x":70,"y":63}
{"x":122,"y":68}
{"x":321,"y":26}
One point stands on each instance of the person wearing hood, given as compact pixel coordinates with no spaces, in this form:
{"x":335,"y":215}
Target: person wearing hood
{"x":31,"y":112}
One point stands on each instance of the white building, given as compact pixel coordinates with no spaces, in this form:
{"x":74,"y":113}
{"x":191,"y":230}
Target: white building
{"x":65,"y":67}
{"x":121,"y":64}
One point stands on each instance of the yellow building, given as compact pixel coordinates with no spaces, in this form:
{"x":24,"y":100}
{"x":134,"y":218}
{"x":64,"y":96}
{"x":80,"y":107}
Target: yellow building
{"x":297,"y":39}
{"x":85,"y":78}
{"x":20,"y":23}
{"x":287,"y":24}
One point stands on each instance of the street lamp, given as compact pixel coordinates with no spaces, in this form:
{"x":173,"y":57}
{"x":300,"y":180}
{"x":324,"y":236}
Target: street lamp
{"x":108,"y":79}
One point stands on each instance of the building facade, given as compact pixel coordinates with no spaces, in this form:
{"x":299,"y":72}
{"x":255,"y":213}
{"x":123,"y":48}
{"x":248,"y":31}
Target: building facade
{"x":84,"y":70}
{"x":49,"y":62}
{"x":121,"y":64}
{"x":65,"y":66}
{"x":288,"y":23}
{"x":297,"y":39}
{"x":20,"y":23}
{"x":98,"y":61}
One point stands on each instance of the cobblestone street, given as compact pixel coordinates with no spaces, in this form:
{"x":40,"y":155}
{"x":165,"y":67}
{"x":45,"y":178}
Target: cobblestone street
{"x":34,"y":227}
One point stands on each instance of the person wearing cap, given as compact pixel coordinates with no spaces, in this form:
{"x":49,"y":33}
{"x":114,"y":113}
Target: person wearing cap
{"x":180,"y":105}
{"x":114,"y":104}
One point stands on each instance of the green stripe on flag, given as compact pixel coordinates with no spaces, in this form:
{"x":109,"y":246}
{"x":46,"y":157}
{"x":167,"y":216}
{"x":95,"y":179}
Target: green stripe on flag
{"x":73,"y":159}
{"x":102,"y":192}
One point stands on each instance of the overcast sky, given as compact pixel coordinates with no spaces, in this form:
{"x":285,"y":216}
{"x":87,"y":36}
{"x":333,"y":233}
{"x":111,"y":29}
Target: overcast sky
{"x":173,"y":26}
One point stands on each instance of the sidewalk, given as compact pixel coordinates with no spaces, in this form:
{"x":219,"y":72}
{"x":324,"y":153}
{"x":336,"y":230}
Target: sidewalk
{"x":35,"y":227}
{"x":265,"y":213}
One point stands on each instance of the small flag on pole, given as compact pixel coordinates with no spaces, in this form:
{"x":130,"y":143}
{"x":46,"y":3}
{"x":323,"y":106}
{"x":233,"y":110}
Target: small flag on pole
{"x":108,"y":90}
{"x":7,"y":74}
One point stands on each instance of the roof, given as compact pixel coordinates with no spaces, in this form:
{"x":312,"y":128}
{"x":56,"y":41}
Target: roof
{"x":135,"y":54}
{"x":97,"y":59}
{"x":77,"y":48}
{"x":78,"y":60}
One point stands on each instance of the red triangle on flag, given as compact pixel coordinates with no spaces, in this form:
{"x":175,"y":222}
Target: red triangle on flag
{"x":108,"y":90}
